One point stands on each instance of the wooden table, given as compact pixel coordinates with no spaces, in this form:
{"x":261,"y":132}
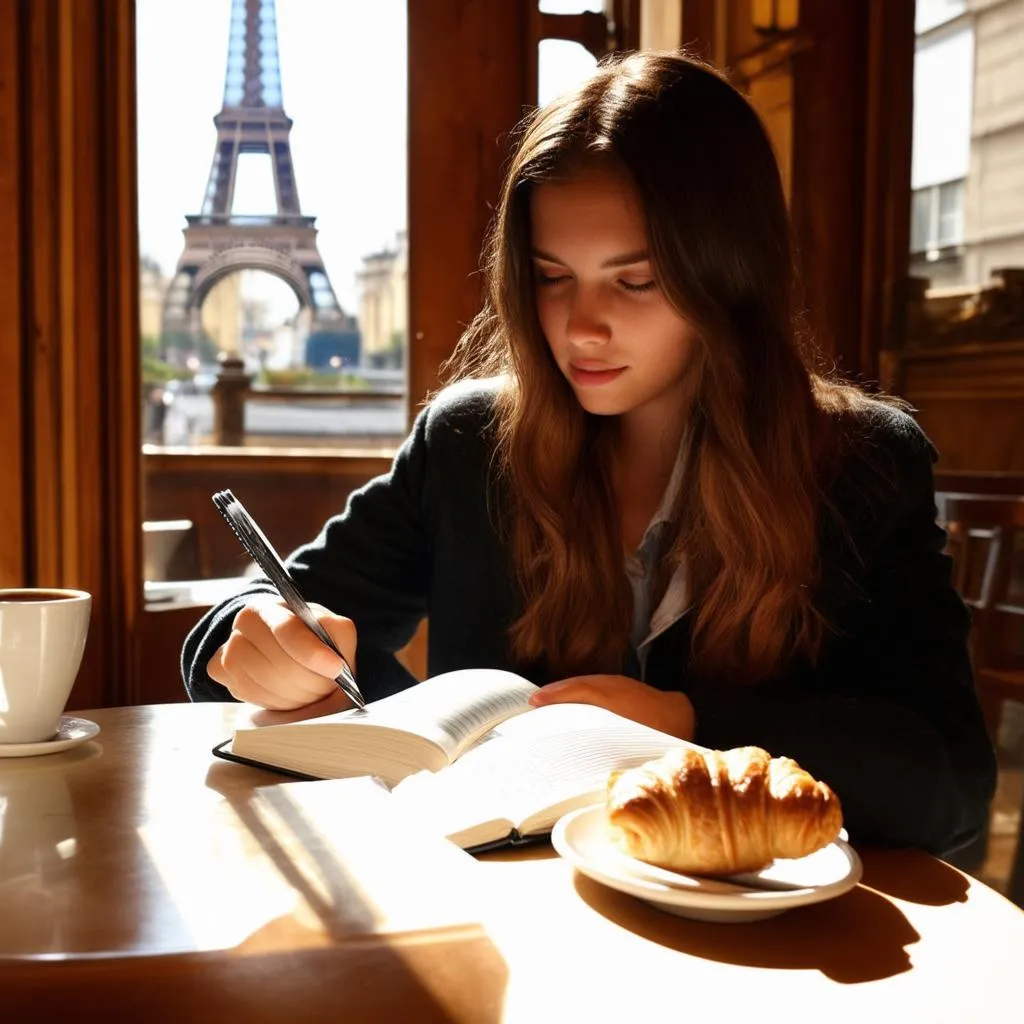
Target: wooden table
{"x":140,"y":878}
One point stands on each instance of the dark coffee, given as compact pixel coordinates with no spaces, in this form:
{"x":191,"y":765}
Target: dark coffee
{"x":33,"y":596}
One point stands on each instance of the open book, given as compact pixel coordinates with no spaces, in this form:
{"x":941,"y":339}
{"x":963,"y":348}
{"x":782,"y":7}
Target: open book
{"x":465,"y":752}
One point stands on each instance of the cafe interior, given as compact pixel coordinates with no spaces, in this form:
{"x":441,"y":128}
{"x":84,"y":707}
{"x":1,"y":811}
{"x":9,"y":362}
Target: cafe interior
{"x":144,"y":369}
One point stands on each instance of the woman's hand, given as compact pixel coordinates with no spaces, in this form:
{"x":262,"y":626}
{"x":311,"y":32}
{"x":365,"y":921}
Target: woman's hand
{"x":272,"y":660}
{"x":669,"y":712}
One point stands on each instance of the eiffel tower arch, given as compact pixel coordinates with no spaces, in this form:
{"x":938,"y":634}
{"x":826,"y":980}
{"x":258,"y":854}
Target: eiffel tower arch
{"x":283,"y":243}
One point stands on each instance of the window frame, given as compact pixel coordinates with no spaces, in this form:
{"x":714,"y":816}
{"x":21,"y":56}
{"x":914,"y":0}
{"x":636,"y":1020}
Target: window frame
{"x":70,"y":264}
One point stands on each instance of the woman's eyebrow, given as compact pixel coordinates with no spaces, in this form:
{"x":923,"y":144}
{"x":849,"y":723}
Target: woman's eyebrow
{"x":540,"y":254}
{"x":640,"y":256}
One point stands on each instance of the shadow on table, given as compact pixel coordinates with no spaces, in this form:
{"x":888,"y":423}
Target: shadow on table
{"x":381,"y":975}
{"x":870,"y":941}
{"x":912,"y":876}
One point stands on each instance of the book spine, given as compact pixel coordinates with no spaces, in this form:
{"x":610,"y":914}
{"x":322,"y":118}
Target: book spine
{"x":514,"y":838}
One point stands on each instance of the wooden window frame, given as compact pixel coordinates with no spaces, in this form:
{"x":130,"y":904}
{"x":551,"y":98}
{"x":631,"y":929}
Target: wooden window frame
{"x":70,"y":392}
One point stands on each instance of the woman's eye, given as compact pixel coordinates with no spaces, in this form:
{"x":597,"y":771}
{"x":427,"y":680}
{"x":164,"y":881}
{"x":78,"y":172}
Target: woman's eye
{"x":546,"y":279}
{"x":644,"y":286}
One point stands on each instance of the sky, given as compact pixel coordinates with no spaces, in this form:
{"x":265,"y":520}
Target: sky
{"x":343,"y":73}
{"x":343,"y":70}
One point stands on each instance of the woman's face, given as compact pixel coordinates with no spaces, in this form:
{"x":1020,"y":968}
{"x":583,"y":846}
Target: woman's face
{"x":622,"y":347}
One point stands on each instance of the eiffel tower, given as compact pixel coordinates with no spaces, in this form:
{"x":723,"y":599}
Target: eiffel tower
{"x":218,"y":242}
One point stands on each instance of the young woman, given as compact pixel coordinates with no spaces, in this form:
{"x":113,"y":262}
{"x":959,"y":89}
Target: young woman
{"x":639,"y":493}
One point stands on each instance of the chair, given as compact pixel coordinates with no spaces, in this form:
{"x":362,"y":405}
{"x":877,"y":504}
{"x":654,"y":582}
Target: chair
{"x":986,"y":541}
{"x":170,"y":550}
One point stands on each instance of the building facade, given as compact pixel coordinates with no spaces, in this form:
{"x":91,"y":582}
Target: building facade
{"x":383,"y":282}
{"x":968,"y":166}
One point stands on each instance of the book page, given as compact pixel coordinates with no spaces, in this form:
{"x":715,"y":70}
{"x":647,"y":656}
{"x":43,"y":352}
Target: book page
{"x":452,"y":710}
{"x":547,"y":760}
{"x":424,"y":727}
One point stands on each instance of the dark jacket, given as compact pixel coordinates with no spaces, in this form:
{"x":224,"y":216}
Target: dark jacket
{"x":888,"y":715}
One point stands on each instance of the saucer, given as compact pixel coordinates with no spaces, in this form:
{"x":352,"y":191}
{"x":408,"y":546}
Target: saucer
{"x":581,"y":837}
{"x":70,"y":733}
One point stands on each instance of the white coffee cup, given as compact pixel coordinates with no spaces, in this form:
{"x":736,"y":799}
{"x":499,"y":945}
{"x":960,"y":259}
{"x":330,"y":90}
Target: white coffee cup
{"x":42,"y":637}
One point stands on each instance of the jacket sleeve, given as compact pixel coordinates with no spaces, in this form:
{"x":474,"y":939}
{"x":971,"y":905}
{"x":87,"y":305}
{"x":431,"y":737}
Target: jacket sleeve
{"x":370,"y":563}
{"x":888,"y":717}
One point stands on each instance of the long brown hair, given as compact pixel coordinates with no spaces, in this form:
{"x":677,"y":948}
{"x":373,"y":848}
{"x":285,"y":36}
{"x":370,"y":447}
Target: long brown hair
{"x":746,"y":519}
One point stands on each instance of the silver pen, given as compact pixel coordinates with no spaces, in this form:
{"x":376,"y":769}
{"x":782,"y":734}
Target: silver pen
{"x":263,"y":554}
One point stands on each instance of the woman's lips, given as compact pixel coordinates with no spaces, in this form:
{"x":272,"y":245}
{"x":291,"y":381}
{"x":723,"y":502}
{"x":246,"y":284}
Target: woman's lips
{"x":594,"y":376}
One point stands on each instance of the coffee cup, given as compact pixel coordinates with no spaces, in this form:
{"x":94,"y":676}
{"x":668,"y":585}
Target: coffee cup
{"x":42,"y":638}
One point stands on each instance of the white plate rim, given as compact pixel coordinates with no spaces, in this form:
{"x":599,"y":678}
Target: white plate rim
{"x":740,"y":902}
{"x":73,"y":730}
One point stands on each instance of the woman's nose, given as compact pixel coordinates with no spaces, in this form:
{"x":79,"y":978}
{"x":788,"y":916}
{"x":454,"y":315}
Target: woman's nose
{"x":587,"y":323}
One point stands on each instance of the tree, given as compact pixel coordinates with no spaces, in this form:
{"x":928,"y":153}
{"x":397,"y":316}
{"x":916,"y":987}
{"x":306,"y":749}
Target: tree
{"x":154,"y":369}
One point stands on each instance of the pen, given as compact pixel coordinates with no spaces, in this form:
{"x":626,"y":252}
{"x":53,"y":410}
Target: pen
{"x":263,"y":554}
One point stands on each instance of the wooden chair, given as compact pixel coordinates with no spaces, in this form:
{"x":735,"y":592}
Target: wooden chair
{"x":170,"y":550}
{"x":986,"y":540}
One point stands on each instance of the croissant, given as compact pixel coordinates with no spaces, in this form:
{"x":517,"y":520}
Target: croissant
{"x":720,"y":812}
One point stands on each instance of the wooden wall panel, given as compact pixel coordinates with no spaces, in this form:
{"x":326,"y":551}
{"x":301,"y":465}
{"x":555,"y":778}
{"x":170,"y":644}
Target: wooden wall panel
{"x":122,"y":358}
{"x":162,"y":634}
{"x":76,"y":265}
{"x":888,"y":145}
{"x":772,"y":97}
{"x":467,"y":90}
{"x":974,"y":433}
{"x":836,"y":95}
{"x":970,"y":401}
{"x":13,"y":525}
{"x":42,"y":263}
{"x":289,"y":496}
{"x":829,"y":94}
{"x":735,"y":19}
{"x":701,"y":33}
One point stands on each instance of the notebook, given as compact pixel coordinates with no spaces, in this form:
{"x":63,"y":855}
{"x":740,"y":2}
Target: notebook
{"x":463,"y":751}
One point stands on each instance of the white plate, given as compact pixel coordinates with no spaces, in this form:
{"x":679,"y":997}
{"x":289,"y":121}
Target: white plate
{"x":70,"y":733}
{"x":581,"y":837}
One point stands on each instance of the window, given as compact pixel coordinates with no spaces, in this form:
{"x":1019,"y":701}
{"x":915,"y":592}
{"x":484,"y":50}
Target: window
{"x":944,"y":69}
{"x":950,"y":219}
{"x":272,"y":218}
{"x":570,"y":6}
{"x":937,"y":219}
{"x":943,"y":94}
{"x":562,"y":63}
{"x":967,"y":217}
{"x":272,"y":195}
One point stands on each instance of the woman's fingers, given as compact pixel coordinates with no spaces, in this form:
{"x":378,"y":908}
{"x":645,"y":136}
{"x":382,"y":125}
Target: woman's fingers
{"x":258,"y":650}
{"x":260,"y":659}
{"x":243,"y":687}
{"x":667,"y":711}
{"x":577,"y":690}
{"x":273,"y":660}
{"x":291,"y":636}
